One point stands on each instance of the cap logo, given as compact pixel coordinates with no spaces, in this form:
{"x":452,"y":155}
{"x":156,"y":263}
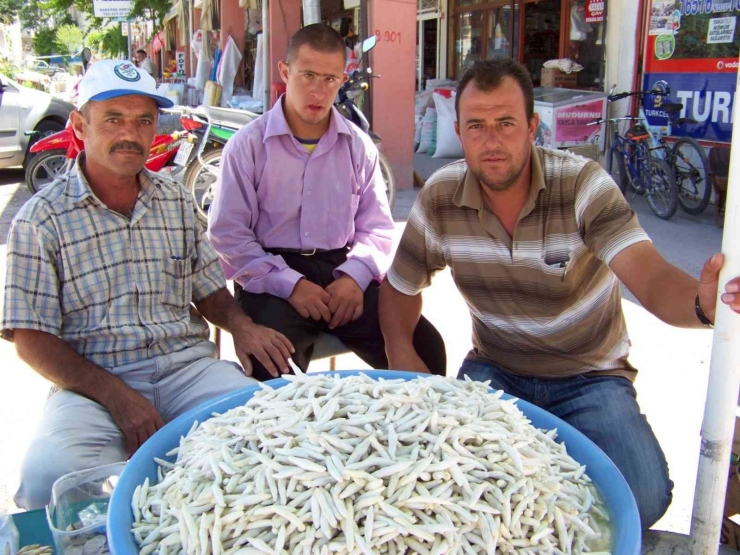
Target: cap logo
{"x":127,"y":72}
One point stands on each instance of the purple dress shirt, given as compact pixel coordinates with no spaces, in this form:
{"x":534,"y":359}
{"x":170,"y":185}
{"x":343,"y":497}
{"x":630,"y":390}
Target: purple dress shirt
{"x":272,"y":193}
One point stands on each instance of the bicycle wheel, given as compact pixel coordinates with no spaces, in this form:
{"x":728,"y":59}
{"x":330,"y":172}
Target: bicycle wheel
{"x":617,"y":169}
{"x":662,"y":192}
{"x":691,"y":169}
{"x":199,"y":180}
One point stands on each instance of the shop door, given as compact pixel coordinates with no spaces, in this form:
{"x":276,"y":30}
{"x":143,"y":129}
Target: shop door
{"x":540,"y":35}
{"x":427,"y":51}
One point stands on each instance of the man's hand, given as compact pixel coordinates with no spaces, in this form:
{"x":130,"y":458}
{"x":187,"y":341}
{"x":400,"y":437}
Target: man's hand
{"x":708,"y":284}
{"x":268,"y":346}
{"x":137,"y":418}
{"x":409,"y":361}
{"x":346,"y":302}
{"x":310,"y":300}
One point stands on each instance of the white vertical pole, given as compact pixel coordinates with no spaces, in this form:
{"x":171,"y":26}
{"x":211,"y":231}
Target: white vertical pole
{"x":128,"y":36}
{"x":311,"y":11}
{"x":267,"y":70}
{"x":724,"y":382}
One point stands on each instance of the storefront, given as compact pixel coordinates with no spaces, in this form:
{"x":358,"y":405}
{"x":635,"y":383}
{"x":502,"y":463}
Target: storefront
{"x":431,"y":41}
{"x":693,"y":46}
{"x":532,"y":32}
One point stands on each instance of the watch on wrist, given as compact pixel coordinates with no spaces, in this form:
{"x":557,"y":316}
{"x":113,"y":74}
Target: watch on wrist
{"x":700,"y":314}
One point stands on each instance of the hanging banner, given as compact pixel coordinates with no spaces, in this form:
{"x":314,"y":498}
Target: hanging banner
{"x":595,"y":11}
{"x":698,"y":58}
{"x":112,"y":8}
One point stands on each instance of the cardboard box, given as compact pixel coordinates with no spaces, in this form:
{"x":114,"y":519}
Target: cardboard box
{"x":552,"y":77}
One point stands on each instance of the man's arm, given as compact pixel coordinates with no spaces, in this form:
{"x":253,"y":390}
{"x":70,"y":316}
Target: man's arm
{"x":399,"y":315}
{"x":268,"y":346}
{"x":666,"y":291}
{"x":56,"y":361}
{"x":368,"y":257}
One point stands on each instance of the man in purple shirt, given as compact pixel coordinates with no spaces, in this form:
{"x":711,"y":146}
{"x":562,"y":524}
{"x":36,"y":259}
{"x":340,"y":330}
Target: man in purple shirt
{"x":301,"y":221}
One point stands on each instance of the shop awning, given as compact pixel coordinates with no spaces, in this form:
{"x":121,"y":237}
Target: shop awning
{"x":157,"y":42}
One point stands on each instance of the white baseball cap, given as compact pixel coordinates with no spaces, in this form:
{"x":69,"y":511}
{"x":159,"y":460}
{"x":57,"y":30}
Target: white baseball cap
{"x":108,"y":79}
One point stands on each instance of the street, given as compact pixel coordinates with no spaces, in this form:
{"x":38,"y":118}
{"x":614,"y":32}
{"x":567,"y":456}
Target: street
{"x":673,"y":363}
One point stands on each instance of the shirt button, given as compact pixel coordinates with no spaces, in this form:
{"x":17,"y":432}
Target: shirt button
{"x":306,"y":234}
{"x":308,"y":193}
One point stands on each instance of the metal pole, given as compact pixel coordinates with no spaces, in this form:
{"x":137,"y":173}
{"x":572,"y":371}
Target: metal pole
{"x":311,"y":11}
{"x":128,"y":37}
{"x":265,"y":56}
{"x":724,"y":382}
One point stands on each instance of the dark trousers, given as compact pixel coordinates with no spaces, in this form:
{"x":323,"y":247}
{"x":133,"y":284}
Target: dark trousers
{"x":362,"y":336}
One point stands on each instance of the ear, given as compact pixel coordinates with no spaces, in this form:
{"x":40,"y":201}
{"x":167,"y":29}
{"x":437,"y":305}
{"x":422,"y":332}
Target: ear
{"x":284,"y":71}
{"x":345,"y":78}
{"x":78,"y":124}
{"x":533,"y":126}
{"x":457,"y":130}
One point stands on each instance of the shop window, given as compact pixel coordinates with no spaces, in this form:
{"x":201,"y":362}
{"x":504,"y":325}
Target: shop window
{"x":468,"y":40}
{"x":541,"y":35}
{"x":586,"y":45}
{"x":500,"y":41}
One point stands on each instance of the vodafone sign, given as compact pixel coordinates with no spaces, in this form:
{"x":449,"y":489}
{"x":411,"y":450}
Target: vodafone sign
{"x":595,"y":11}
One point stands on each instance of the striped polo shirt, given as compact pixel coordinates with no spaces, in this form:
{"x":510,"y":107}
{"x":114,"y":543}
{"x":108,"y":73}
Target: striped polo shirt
{"x":544,"y":302}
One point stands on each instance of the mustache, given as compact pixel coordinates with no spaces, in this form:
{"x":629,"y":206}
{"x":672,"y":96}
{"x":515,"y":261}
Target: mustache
{"x":127,"y":145}
{"x":494,"y":154}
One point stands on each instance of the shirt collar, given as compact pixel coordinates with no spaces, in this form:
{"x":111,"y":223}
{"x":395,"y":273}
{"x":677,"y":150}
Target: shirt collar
{"x":277,"y":124}
{"x":468,"y":192}
{"x":78,"y":188}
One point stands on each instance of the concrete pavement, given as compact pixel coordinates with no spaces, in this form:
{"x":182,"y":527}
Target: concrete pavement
{"x":673,"y":363}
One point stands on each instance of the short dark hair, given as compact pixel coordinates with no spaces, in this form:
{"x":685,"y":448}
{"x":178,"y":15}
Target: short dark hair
{"x":319,"y":37}
{"x":488,"y":75}
{"x":142,"y":51}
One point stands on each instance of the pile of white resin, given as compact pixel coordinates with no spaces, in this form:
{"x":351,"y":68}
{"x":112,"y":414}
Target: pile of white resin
{"x":351,"y":465}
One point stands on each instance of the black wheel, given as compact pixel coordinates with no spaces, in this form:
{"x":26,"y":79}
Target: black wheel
{"x":390,"y":182}
{"x":45,"y":167}
{"x":617,"y":169}
{"x":43,"y":129}
{"x":199,"y":180}
{"x":691,"y":169}
{"x":662,"y":192}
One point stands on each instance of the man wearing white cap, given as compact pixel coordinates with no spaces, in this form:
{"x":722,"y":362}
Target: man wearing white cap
{"x":102,"y":268}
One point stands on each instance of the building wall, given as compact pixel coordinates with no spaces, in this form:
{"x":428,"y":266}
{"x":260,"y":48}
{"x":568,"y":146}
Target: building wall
{"x":394,"y":59}
{"x":622,"y":42}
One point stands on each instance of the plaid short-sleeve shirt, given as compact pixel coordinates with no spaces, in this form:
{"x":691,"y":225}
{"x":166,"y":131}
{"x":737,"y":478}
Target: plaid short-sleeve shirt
{"x":117,"y":290}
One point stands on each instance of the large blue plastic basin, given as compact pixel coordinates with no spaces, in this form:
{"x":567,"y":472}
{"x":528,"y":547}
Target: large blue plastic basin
{"x":611,"y":484}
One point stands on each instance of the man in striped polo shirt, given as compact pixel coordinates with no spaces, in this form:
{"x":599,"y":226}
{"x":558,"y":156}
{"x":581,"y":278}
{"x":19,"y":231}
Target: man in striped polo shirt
{"x":537,"y":241}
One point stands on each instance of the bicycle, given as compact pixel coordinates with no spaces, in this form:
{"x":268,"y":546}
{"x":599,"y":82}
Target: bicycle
{"x":631,"y":165}
{"x":686,"y":157}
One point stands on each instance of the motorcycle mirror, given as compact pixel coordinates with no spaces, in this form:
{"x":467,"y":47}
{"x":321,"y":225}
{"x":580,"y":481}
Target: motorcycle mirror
{"x":86,"y":56}
{"x":369,"y":43}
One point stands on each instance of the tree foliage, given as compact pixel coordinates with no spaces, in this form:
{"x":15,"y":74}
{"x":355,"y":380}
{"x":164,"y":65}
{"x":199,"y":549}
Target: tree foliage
{"x":109,"y":41}
{"x":69,"y":38}
{"x":44,"y":41}
{"x":9,"y":9}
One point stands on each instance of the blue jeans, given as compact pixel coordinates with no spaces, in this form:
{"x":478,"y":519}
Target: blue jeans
{"x":605,"y":410}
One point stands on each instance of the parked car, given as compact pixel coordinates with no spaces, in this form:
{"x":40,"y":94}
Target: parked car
{"x":40,"y":66}
{"x":25,"y":116}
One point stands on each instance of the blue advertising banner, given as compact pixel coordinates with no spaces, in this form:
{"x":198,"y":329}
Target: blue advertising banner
{"x":707,"y":97}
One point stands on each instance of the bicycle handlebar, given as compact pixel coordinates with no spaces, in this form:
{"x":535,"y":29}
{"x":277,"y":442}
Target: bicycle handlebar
{"x":612,"y":120}
{"x":654,"y":92}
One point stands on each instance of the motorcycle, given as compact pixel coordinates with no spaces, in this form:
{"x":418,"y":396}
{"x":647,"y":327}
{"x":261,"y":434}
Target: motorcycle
{"x":212,"y":127}
{"x":54,"y":156}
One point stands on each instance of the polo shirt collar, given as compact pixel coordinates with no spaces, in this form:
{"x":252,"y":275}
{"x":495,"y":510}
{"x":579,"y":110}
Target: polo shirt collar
{"x":468,"y":192}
